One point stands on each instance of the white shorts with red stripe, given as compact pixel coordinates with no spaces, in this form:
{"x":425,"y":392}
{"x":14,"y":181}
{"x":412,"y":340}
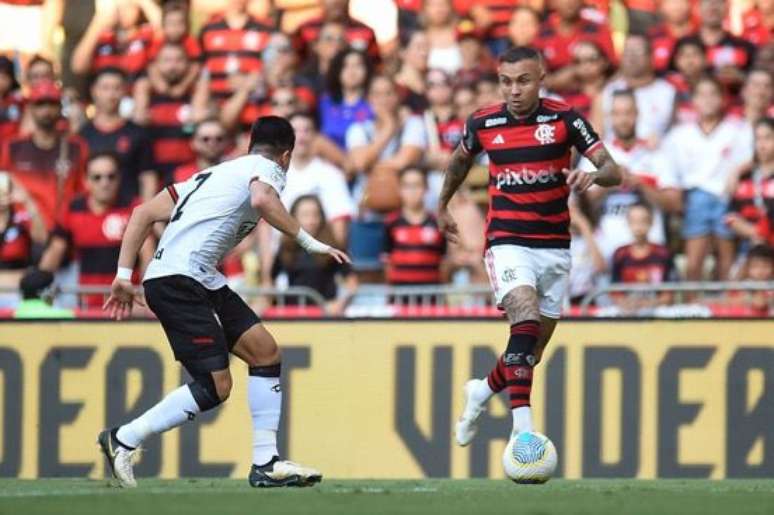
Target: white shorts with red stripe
{"x":546,"y":270}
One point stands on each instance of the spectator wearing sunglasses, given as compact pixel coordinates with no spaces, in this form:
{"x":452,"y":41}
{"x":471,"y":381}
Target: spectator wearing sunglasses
{"x":210,"y":143}
{"x":92,"y":228}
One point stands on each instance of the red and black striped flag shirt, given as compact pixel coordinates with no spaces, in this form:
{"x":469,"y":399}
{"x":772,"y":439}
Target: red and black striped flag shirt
{"x":415,"y":251}
{"x":171,"y":128}
{"x":527,"y":189}
{"x":227,"y":51}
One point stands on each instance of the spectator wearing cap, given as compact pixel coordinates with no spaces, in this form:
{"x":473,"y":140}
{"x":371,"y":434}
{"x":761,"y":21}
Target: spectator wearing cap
{"x":47,"y":163}
{"x":676,"y":22}
{"x":92,"y":229}
{"x":562,"y":29}
{"x":414,"y":52}
{"x":108,"y":131}
{"x":11,"y":100}
{"x":36,"y":289}
{"x":359,"y":35}
{"x":441,"y":28}
{"x":38,"y":70}
{"x":118,"y":38}
{"x":210,"y":142}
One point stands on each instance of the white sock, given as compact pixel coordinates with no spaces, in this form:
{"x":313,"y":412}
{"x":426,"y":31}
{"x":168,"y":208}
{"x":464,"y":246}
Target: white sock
{"x":481,"y":393}
{"x":265,"y":399}
{"x":173,"y":410}
{"x":522,"y":419}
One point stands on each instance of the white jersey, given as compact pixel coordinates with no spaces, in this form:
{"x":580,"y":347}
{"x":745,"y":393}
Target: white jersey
{"x":212,"y":215}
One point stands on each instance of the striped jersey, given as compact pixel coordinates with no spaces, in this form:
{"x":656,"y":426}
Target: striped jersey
{"x":415,"y":251}
{"x":527,"y":189}
{"x":171,"y":127}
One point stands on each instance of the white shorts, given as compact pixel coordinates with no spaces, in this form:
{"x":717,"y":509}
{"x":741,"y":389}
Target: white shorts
{"x":546,"y":270}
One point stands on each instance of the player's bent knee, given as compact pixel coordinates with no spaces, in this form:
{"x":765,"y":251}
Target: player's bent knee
{"x":205,"y":392}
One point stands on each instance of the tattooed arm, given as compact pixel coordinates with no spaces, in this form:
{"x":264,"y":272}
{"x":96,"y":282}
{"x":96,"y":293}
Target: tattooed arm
{"x":459,"y":166}
{"x":608,"y":172}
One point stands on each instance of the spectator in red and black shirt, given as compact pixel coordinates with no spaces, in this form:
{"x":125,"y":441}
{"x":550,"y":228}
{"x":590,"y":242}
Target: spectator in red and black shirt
{"x":117,"y":38}
{"x":108,"y":131}
{"x":414,"y":246}
{"x":641,"y":261}
{"x":11,"y":101}
{"x":687,"y":66}
{"x":730,"y":57}
{"x":209,"y":143}
{"x":751,"y":214}
{"x":677,"y":23}
{"x":46,"y":163}
{"x":20,"y":226}
{"x":165,"y":108}
{"x":359,"y":35}
{"x":231,"y":45}
{"x":92,"y":228}
{"x":561,"y":31}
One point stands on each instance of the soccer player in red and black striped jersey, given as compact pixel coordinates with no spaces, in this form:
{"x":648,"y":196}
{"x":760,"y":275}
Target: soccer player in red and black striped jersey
{"x":92,"y":227}
{"x":529,"y":141}
{"x":415,"y":245}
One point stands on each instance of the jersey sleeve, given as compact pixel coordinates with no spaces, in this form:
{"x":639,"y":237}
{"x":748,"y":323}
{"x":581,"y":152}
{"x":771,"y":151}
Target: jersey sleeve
{"x":270,"y":173}
{"x":580,"y":133}
{"x":470,"y":142}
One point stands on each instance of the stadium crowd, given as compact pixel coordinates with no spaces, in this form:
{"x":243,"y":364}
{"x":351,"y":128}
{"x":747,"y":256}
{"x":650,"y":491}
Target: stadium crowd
{"x":681,"y":90}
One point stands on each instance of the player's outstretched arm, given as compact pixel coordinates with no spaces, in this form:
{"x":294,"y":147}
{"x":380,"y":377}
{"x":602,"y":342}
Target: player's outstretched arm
{"x":459,"y":166}
{"x":264,"y":198}
{"x":608,"y":172}
{"x":122,"y":293}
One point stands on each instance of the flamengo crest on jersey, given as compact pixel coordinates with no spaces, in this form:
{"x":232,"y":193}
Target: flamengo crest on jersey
{"x":527,"y":189}
{"x":212,"y":214}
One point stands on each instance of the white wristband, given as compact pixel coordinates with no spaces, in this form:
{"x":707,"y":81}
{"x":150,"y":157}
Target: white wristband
{"x":124,"y":273}
{"x":311,"y":245}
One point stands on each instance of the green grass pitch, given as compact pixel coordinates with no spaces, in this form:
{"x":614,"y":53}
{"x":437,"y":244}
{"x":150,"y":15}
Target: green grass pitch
{"x":338,"y":497}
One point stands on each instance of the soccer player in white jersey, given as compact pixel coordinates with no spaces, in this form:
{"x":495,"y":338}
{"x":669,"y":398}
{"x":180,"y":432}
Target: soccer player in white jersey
{"x":207,"y":216}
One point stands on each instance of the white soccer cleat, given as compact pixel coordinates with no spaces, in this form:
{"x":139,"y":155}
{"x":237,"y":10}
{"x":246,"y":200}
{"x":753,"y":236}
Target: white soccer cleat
{"x":120,"y":458}
{"x":466,"y":427}
{"x":283,"y":473}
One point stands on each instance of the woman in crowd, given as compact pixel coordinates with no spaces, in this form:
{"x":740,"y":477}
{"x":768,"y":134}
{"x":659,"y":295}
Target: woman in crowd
{"x":316,"y":271}
{"x":344,"y":102}
{"x":414,"y":53}
{"x":439,"y":21}
{"x":687,"y":65}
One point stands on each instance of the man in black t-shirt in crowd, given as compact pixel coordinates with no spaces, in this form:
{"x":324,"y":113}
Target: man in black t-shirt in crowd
{"x":107,"y":131}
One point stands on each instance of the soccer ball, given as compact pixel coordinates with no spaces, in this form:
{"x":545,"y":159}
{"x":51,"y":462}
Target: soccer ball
{"x":529,"y":458}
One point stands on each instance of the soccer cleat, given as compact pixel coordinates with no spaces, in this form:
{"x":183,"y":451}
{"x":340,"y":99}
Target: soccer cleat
{"x":119,"y":457}
{"x":466,"y":427}
{"x":282,"y":473}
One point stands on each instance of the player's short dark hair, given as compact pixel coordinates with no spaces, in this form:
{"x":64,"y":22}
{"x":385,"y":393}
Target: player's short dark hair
{"x":761,"y":251}
{"x":104,"y":154}
{"x":520,"y":53}
{"x":272,"y":134}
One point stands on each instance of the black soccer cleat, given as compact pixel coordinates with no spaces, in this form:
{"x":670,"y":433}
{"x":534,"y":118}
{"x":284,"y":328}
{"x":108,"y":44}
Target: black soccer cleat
{"x":278,"y":473}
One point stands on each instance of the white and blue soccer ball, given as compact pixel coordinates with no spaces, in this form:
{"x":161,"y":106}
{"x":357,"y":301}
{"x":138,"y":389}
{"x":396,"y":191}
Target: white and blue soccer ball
{"x":529,"y":458}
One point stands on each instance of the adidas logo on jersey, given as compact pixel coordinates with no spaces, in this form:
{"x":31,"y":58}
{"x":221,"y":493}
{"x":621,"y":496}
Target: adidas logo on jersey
{"x":498,"y":140}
